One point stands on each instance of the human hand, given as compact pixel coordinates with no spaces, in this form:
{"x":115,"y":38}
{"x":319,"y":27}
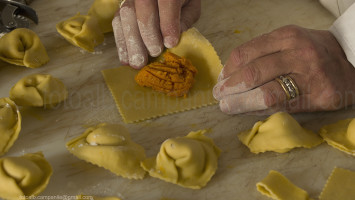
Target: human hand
{"x":146,"y":26}
{"x":312,"y":58}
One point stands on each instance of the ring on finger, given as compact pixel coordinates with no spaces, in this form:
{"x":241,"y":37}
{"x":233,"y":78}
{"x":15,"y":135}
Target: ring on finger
{"x":289,"y":86}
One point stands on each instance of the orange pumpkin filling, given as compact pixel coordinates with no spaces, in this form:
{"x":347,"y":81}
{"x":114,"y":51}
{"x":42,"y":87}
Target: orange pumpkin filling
{"x":173,"y":76}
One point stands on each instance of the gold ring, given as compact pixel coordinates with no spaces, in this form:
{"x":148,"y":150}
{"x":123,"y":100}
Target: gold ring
{"x":289,"y":86}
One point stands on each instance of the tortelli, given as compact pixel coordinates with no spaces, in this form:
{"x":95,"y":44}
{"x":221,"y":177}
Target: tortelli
{"x":82,"y":31}
{"x":38,"y":90}
{"x":24,"y":48}
{"x":188,"y":161}
{"x":27,"y":175}
{"x":110,"y":146}
{"x":10,"y":124}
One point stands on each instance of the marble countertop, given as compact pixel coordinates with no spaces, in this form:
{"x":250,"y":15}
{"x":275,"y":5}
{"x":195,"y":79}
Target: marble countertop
{"x":90,"y":103}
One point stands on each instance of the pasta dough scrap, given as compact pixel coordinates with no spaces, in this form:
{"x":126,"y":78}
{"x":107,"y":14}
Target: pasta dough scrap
{"x":110,"y":146}
{"x":188,"y":161}
{"x":340,"y":135}
{"x":38,"y":90}
{"x":278,"y":187}
{"x":10,"y":124}
{"x":24,"y":176}
{"x":82,"y":31}
{"x":280,"y":133}
{"x":340,"y":185}
{"x":90,"y":197}
{"x":104,"y":11}
{"x":24,"y":48}
{"x":136,"y":103}
{"x":174,"y":75}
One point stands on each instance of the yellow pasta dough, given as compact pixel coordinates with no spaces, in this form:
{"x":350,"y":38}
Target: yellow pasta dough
{"x":24,"y":176}
{"x":89,"y":197}
{"x":278,"y":187}
{"x":10,"y":124}
{"x":104,"y":11}
{"x":110,"y":146}
{"x":23,"y":47}
{"x":340,"y":135}
{"x":188,"y":161}
{"x":38,"y":90}
{"x":136,"y":103}
{"x":82,"y":31}
{"x":340,"y":185}
{"x":280,"y":133}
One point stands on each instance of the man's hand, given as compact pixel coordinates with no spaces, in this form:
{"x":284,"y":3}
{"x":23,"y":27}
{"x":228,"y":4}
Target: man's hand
{"x":143,"y":27}
{"x":312,"y":58}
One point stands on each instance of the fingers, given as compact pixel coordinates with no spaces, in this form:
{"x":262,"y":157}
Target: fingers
{"x":269,"y":95}
{"x":247,"y":52}
{"x":137,"y":53}
{"x":170,"y":12}
{"x":254,"y":74}
{"x":119,"y":39}
{"x":148,"y":23}
{"x":287,"y":37}
{"x":146,"y":26}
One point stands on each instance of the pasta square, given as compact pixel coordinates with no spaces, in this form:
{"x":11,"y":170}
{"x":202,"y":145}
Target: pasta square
{"x":340,"y":185}
{"x":136,"y":103}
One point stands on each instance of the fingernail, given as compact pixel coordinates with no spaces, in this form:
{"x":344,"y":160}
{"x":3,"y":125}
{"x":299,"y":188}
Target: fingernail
{"x":137,"y":61}
{"x":223,"y":105}
{"x":155,"y":51}
{"x":218,"y":89}
{"x":170,"y":42}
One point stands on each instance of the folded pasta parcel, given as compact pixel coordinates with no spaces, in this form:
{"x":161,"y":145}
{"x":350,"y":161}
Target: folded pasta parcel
{"x":10,"y":124}
{"x":279,"y":133}
{"x":188,"y":161}
{"x":27,"y":175}
{"x":278,"y":187}
{"x":82,"y":31}
{"x":174,"y":75}
{"x":24,"y":48}
{"x":38,"y":90}
{"x":104,"y":11}
{"x":110,"y":146}
{"x":340,"y":135}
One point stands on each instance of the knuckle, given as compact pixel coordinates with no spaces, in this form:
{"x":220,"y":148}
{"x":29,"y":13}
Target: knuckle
{"x":170,"y":2}
{"x":329,"y":91}
{"x":330,"y":97}
{"x":251,"y":75}
{"x":144,"y":3}
{"x":327,"y":97}
{"x":289,"y":31}
{"x":239,"y":56}
{"x":310,"y":52}
{"x":270,"y":97}
{"x":317,"y":74}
